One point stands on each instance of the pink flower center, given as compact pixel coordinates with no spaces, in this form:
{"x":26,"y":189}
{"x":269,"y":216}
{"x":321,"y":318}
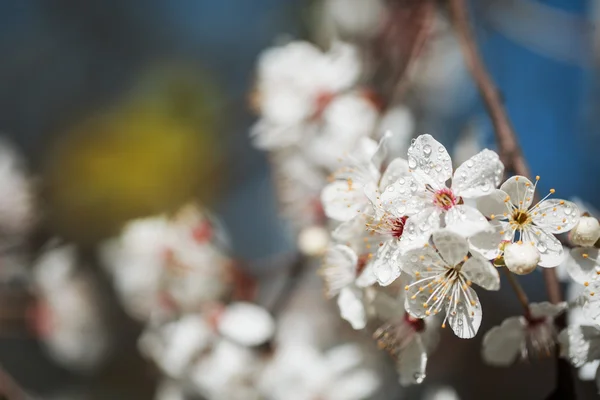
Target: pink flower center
{"x":203,"y":232}
{"x":416,"y":324}
{"x":322,"y":100}
{"x":444,"y":198}
{"x":397,"y":226}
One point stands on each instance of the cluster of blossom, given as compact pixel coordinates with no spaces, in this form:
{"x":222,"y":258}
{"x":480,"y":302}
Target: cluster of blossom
{"x":416,"y":228}
{"x":202,"y":332}
{"x":313,"y":110}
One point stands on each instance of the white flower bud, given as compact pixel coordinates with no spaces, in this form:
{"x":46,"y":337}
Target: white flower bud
{"x":313,"y":241}
{"x":586,"y":232}
{"x":521,"y":258}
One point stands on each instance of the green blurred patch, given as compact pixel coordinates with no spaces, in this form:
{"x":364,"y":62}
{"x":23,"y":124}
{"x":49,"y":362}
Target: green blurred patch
{"x":154,"y":150}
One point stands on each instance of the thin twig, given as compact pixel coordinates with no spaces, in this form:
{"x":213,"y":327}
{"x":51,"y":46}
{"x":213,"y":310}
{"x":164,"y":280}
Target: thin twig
{"x":508,"y":145}
{"x":521,"y":295}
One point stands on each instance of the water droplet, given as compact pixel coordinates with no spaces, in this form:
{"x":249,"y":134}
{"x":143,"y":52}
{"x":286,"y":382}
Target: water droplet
{"x":541,"y":247}
{"x":469,"y":163}
{"x":412,"y":163}
{"x":419,"y":377}
{"x":401,"y":181}
{"x":440,"y":149}
{"x":391,"y":188}
{"x":568,"y":210}
{"x":485,"y":187}
{"x":427,"y":150}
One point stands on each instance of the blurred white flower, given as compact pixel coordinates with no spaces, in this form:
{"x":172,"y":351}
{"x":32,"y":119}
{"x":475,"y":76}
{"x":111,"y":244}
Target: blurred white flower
{"x":355,"y":18}
{"x":301,"y":372}
{"x":70,"y":317}
{"x":246,"y":324}
{"x":524,"y":336}
{"x":510,"y":207}
{"x":313,"y":240}
{"x":441,"y":281}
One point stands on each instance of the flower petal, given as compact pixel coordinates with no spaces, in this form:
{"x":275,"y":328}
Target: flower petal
{"x":591,"y":301}
{"x":412,"y":362}
{"x":352,"y":308}
{"x":429,"y":161}
{"x":342,"y":201}
{"x":418,"y":228}
{"x":396,"y":169}
{"x":546,"y":309}
{"x":452,"y":247}
{"x":520,"y":189}
{"x":479,"y":175}
{"x":385,"y":266}
{"x":465,"y":220}
{"x":246,"y":324}
{"x":403,"y":197}
{"x":502,"y":344}
{"x":493,"y":204}
{"x":556,"y":216}
{"x":481,"y":272}
{"x":339,"y":269}
{"x":550,"y":248}
{"x":464,"y":317}
{"x":582,"y":268}
{"x":423,"y":261}
{"x":487,"y":242}
{"x":367,"y":277}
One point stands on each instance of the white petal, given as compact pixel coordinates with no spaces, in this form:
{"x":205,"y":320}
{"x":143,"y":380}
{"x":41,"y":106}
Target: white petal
{"x":357,"y":384}
{"x":246,"y":324}
{"x":381,"y":151}
{"x":412,"y":362}
{"x":502,"y":344}
{"x":352,"y":308}
{"x":591,"y":305}
{"x":367,"y":277}
{"x":404,"y":197}
{"x":267,"y":135}
{"x":430,"y":162}
{"x":546,"y":309}
{"x":452,"y":247}
{"x":556,"y":216}
{"x":550,"y":248}
{"x":385,"y":266}
{"x":465,"y":220}
{"x":464,"y":318}
{"x":418,"y":261}
{"x":339,"y":268}
{"x":481,"y":272}
{"x":396,"y":169}
{"x":487,"y":242}
{"x":493,"y":203}
{"x":342,"y":201}
{"x":479,"y":175}
{"x":418,"y":228}
{"x":520,"y":189}
{"x":583,"y":269}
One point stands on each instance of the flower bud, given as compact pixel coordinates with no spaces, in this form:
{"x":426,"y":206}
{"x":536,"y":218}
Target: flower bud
{"x":521,"y":258}
{"x":586,"y":232}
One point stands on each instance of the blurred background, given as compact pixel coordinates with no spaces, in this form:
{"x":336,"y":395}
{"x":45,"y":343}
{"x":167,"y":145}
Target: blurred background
{"x":122,"y":109}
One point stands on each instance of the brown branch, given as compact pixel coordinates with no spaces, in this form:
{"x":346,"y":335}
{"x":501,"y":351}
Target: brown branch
{"x":9,"y":388}
{"x":521,"y":295}
{"x":508,"y":145}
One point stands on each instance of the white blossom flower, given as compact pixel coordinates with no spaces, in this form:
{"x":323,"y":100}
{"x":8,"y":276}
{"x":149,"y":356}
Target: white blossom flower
{"x":516,"y":219}
{"x":301,"y":372}
{"x":313,"y":240}
{"x":580,"y":344}
{"x":521,"y":258}
{"x":523,"y":336}
{"x":342,"y":268}
{"x":72,"y":325}
{"x":295,"y":84}
{"x":406,"y":338}
{"x":246,"y":324}
{"x":586,"y":232}
{"x":442,"y":278}
{"x":583,"y":266}
{"x":425,"y":198}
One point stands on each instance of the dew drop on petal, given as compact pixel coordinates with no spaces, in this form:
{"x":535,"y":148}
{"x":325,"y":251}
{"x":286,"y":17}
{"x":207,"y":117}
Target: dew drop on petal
{"x":427,"y":150}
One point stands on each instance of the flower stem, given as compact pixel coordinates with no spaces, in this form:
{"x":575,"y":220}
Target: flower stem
{"x":516,"y":286}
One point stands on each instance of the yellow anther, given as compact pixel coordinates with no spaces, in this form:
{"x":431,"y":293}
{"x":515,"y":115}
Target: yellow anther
{"x":520,"y":242}
{"x":492,"y":216}
{"x":421,"y":289}
{"x":406,"y":287}
{"x":425,"y":305}
{"x":427,"y":312}
{"x":558,"y":228}
{"x":507,"y":199}
{"x":552,"y":190}
{"x":469,"y":283}
{"x":586,"y":284}
{"x":473,"y":302}
{"x":465,"y":258}
{"x":516,"y":178}
{"x":444,"y":325}
{"x":421,"y":258}
{"x":537,"y":177}
{"x":592,"y":293}
{"x":417,"y":273}
{"x":561,"y":202}
{"x":502,"y":232}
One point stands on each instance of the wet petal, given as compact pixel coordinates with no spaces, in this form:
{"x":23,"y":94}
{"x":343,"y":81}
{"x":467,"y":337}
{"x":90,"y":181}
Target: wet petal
{"x":546,"y":309}
{"x":452,"y":247}
{"x":550,"y":248}
{"x":502,"y":344}
{"x":423,"y":261}
{"x":493,"y":204}
{"x":430,"y":162}
{"x":520,"y":189}
{"x":367,"y":276}
{"x":342,"y":200}
{"x":385,"y":266}
{"x":465,"y":316}
{"x":418,"y":228}
{"x":556,"y":216}
{"x":412,"y":362}
{"x":404,"y":197}
{"x":487,"y":242}
{"x":396,"y":169}
{"x":339,"y":269}
{"x":479,"y":175}
{"x":465,"y":220}
{"x":352,"y":308}
{"x":583,"y":268}
{"x":481,"y":272}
